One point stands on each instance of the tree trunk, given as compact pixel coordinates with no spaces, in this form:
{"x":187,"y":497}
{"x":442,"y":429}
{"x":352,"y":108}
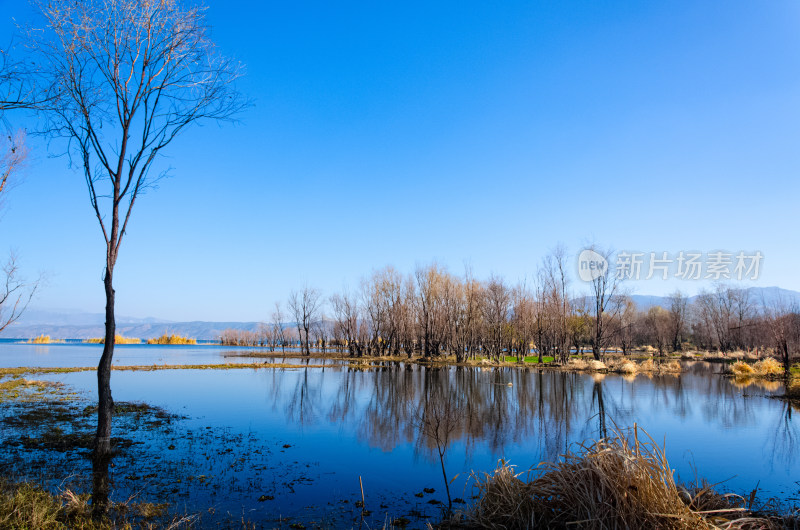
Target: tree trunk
{"x":105,"y":402}
{"x":105,"y":406}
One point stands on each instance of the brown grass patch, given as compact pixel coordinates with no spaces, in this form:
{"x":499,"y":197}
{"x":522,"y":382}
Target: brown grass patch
{"x":611,"y":483}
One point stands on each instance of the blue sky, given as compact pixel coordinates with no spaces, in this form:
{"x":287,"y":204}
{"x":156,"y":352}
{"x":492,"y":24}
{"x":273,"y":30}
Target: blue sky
{"x":457,"y":131}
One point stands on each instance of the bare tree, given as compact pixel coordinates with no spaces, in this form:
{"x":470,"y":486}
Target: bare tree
{"x":605,"y":294}
{"x":305,"y":307}
{"x":677,"y":313}
{"x":780,"y":317}
{"x":15,"y":292}
{"x":716,"y":309}
{"x":277,"y":334}
{"x":496,"y":306}
{"x":346,"y":316}
{"x":123,"y":79}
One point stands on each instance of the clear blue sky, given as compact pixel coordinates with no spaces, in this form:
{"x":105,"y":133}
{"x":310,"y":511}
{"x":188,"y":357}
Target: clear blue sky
{"x":485,"y":132}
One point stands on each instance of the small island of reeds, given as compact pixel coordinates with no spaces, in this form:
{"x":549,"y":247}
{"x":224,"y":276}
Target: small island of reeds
{"x":171,"y":339}
{"x":118,"y":339}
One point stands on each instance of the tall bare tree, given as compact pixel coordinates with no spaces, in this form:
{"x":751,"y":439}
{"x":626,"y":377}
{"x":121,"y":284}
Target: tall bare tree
{"x":677,"y":313}
{"x":606,"y":301}
{"x":305,"y":307}
{"x":123,"y":79}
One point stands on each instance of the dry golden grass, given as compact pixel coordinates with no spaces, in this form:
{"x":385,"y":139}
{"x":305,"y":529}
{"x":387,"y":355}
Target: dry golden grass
{"x":43,"y":339}
{"x":597,"y":365}
{"x":611,"y":483}
{"x":577,"y":364}
{"x":171,"y":339}
{"x":118,"y":339}
{"x":768,"y":366}
{"x":741,"y":368}
{"x":628,"y":367}
{"x":27,"y":506}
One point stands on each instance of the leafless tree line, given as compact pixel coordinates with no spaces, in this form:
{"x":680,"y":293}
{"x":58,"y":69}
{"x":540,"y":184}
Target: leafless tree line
{"x":432,"y":313}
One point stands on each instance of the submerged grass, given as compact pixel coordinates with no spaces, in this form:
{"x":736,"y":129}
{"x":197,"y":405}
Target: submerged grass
{"x":614,"y":482}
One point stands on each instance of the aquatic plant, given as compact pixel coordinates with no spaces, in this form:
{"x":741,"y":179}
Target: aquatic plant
{"x":171,"y":339}
{"x":118,"y":339}
{"x":627,"y":368}
{"x":25,"y":505}
{"x":768,"y":366}
{"x":622,"y":481}
{"x":742,"y":368}
{"x":41,"y":339}
{"x":597,"y":365}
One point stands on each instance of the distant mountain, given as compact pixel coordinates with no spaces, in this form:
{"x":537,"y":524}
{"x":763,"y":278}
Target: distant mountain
{"x":71,"y":324}
{"x":196,"y":330}
{"x":757,"y":295}
{"x":73,"y":317}
{"x":74,"y":324}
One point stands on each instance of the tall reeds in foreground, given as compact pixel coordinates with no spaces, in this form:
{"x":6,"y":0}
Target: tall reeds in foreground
{"x":616,"y":482}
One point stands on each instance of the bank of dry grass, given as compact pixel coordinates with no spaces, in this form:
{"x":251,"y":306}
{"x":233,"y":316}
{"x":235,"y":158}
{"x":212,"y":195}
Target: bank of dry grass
{"x":33,"y":370}
{"x":28,"y":506}
{"x":616,"y":482}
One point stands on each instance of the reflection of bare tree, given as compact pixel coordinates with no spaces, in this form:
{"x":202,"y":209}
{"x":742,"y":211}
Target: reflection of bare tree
{"x":783,"y":443}
{"x":437,"y":419}
{"x":501,"y":409}
{"x":304,"y":401}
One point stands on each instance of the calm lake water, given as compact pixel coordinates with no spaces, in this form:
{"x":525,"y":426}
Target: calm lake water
{"x":299,"y":439}
{"x":16,"y":353}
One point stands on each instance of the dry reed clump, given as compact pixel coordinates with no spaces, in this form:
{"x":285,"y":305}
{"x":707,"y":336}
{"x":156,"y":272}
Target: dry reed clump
{"x":647,"y":366}
{"x":118,"y":339}
{"x":650,"y":349}
{"x":628,"y":367}
{"x":597,"y":365}
{"x":43,"y":339}
{"x":171,"y":339}
{"x":577,"y":364}
{"x":768,"y":366}
{"x":741,"y":368}
{"x":672,"y":367}
{"x":27,"y":506}
{"x":612,"y":483}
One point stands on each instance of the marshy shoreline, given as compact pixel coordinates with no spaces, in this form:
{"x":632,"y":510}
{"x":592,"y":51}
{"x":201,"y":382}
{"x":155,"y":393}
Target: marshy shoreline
{"x":503,"y":496}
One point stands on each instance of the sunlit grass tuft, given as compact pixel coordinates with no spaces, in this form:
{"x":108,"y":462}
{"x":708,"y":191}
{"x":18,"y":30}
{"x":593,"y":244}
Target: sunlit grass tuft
{"x":740,"y":368}
{"x":171,"y":339}
{"x":43,"y":339}
{"x":621,"y":481}
{"x":118,"y":339}
{"x":768,"y":366}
